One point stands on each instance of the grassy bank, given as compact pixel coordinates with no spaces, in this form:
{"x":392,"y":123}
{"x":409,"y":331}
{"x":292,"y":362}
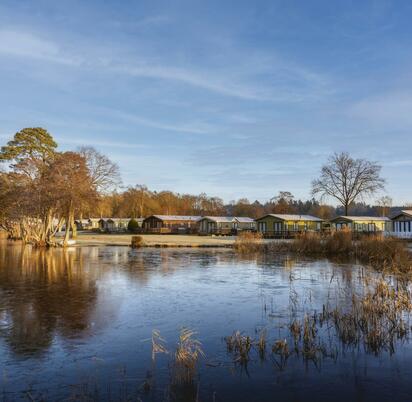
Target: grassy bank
{"x":153,"y":240}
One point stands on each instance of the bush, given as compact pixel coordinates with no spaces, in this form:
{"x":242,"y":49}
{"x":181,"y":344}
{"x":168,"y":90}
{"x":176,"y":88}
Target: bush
{"x":133,"y":226}
{"x":137,"y":242}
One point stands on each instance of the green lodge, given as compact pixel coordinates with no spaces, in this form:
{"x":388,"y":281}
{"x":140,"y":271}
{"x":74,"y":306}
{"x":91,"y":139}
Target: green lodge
{"x":287,"y":225}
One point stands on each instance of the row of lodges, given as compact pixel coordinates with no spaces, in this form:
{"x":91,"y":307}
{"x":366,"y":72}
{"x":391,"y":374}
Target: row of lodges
{"x":285,"y":225}
{"x":270,"y":225}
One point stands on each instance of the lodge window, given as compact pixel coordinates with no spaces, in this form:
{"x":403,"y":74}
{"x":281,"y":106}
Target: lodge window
{"x":277,"y":226}
{"x":262,"y":226}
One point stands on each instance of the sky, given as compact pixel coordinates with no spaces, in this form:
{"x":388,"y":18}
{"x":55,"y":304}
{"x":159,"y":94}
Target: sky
{"x":232,"y":98}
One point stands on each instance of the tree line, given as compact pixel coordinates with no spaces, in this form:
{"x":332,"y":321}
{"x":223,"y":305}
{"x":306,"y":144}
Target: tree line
{"x":139,"y":201}
{"x":43,"y":189}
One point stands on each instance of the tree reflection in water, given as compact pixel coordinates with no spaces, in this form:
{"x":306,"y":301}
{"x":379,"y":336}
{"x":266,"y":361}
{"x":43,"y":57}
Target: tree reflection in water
{"x":43,"y":293}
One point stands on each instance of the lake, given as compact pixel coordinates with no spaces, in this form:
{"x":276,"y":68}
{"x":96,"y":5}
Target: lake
{"x":77,"y":324}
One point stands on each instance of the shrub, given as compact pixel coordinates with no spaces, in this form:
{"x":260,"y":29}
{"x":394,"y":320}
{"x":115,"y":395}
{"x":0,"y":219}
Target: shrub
{"x":133,"y":226}
{"x":137,"y":241}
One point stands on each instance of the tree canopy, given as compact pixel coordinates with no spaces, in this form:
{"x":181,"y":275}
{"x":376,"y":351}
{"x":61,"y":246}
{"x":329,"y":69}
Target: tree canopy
{"x":29,"y":143}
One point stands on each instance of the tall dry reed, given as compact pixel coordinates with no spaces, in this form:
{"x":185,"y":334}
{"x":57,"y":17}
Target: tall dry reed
{"x":186,"y":359}
{"x":249,"y":242}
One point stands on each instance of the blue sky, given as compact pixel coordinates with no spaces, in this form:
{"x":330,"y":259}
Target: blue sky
{"x":233,"y":98}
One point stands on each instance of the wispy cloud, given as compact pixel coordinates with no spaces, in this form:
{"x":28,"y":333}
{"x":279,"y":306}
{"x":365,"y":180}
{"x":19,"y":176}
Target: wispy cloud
{"x":64,"y":140}
{"x":190,"y":128}
{"x":147,"y":22}
{"x":194,"y":78}
{"x":286,"y":82}
{"x":28,"y":45}
{"x":390,"y":109}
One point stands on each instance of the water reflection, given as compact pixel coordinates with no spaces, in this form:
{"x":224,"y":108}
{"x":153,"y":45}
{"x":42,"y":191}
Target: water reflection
{"x":44,"y":293}
{"x":49,"y":293}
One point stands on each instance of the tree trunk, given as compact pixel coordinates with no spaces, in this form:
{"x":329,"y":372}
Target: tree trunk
{"x":69,"y":222}
{"x":67,"y":232}
{"x":74,"y":228}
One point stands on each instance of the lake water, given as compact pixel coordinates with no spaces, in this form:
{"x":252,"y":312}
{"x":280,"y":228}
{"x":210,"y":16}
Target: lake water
{"x":77,"y":325}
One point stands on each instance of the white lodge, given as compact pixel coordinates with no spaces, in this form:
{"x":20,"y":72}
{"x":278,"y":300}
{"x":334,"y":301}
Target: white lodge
{"x":364,"y":224}
{"x":402,"y":224}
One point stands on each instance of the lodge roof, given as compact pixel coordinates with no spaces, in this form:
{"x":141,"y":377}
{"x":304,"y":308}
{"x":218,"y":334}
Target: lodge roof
{"x":240,"y":219}
{"x":244,"y":219}
{"x":293,"y":217}
{"x":219,"y":218}
{"x":407,"y":212}
{"x":115,"y":219}
{"x":175,"y":217}
{"x":361,"y":218}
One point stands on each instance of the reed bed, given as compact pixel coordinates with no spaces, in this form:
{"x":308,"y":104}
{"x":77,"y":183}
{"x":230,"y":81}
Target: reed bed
{"x":383,"y":253}
{"x":377,"y":319}
{"x":240,"y":346}
{"x":249,"y":242}
{"x":386,"y":253}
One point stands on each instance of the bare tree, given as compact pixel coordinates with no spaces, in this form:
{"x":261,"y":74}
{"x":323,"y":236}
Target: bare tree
{"x":384,"y":205}
{"x":347,"y":179}
{"x":104,"y":173}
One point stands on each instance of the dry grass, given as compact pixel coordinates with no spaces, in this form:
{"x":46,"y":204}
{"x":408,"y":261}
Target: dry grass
{"x":249,"y":242}
{"x":186,"y":358}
